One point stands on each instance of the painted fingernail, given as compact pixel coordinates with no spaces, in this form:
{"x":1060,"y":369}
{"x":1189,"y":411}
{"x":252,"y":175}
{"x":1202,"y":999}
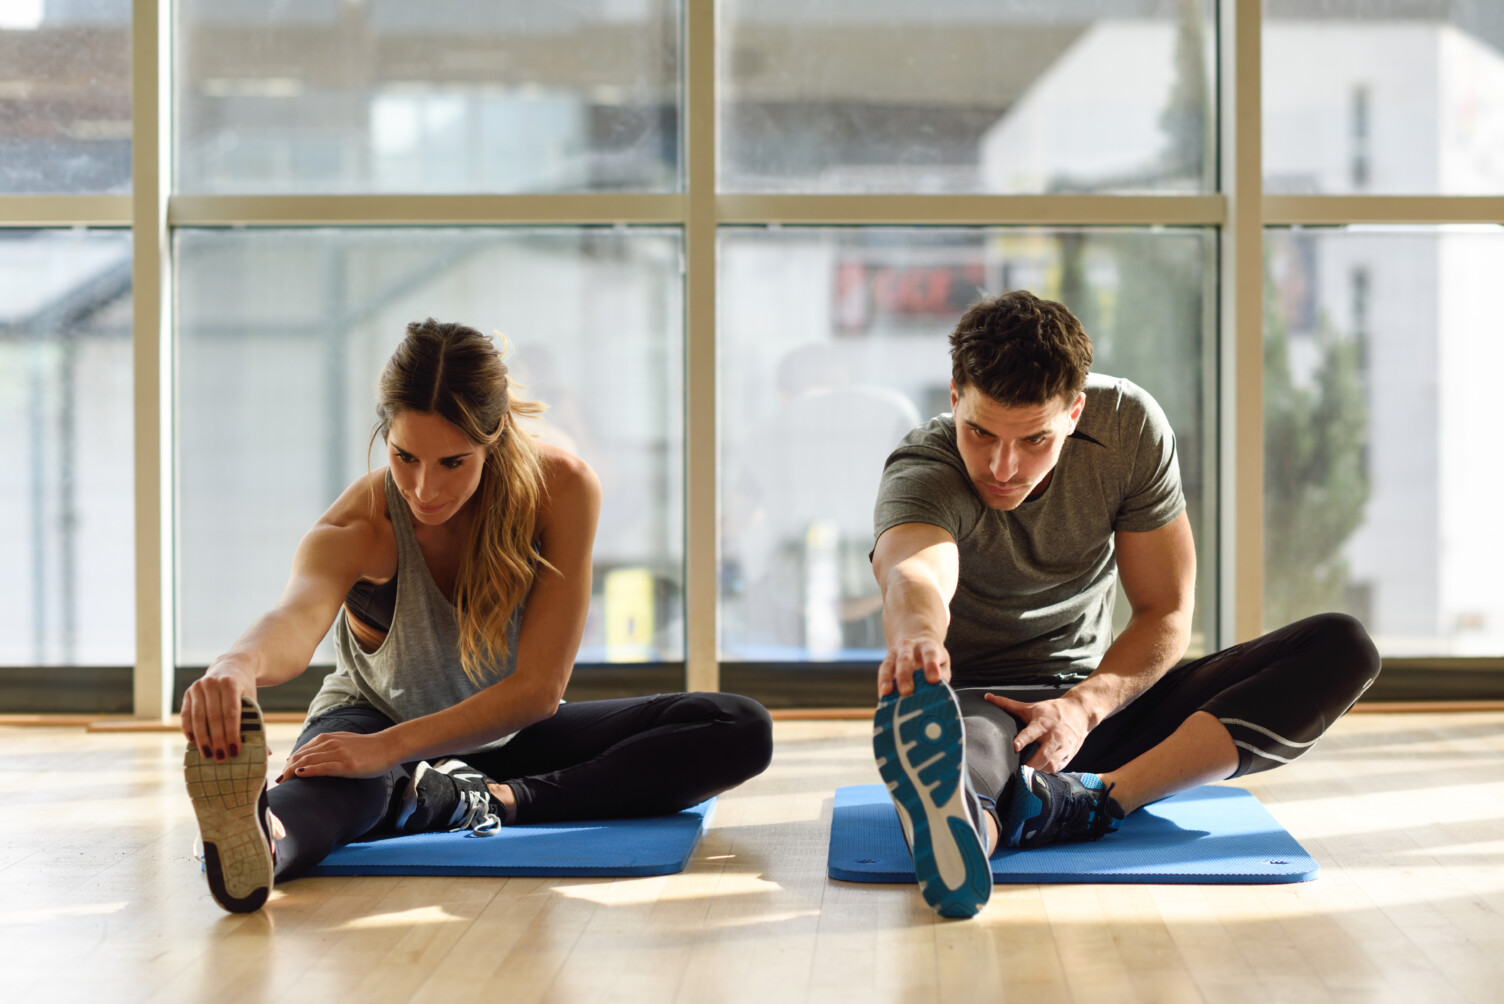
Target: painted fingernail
{"x":219,"y":754}
{"x":234,"y":750}
{"x":206,"y":751}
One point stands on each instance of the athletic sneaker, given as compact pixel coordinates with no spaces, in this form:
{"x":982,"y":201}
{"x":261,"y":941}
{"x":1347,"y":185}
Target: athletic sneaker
{"x":920,"y":745}
{"x":1058,"y":808}
{"x":449,"y":795}
{"x":229,"y":798}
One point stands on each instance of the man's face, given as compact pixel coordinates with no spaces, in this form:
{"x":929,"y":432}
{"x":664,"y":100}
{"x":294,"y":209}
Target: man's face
{"x":1010,"y":451}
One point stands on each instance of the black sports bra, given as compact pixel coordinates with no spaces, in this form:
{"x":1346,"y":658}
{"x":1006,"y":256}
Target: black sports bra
{"x":373,"y":604}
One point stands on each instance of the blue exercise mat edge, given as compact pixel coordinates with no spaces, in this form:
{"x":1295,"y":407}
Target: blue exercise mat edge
{"x":1212,"y":835}
{"x":656,"y":845}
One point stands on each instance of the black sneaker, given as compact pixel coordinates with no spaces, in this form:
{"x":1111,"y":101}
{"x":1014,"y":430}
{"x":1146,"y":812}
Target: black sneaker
{"x":229,"y":798}
{"x":1058,"y":808}
{"x":447,"y":795}
{"x":920,"y":745}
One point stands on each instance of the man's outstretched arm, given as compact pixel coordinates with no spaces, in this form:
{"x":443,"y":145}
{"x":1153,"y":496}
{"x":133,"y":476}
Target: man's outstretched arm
{"x":916,"y":565}
{"x":1158,"y":572}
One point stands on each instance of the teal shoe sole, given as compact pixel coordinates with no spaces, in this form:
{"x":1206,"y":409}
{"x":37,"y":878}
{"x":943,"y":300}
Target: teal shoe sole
{"x":919,"y":744}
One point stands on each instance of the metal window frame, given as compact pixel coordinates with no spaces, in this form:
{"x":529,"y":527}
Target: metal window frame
{"x":1239,"y":212}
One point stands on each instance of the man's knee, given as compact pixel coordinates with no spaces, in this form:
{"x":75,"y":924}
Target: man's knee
{"x":1337,"y":660}
{"x":1343,"y":639}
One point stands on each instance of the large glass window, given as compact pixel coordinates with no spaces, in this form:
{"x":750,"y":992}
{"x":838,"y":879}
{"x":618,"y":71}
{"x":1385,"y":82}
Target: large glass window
{"x":833,"y":346}
{"x":65,"y":96}
{"x":282,"y":334}
{"x":974,"y":96}
{"x":829,"y":340}
{"x":446,"y":96}
{"x":1383,"y":98}
{"x":1381,"y":478}
{"x":67,"y":569}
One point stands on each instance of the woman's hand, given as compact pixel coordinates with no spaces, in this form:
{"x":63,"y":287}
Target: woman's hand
{"x":342,"y":754}
{"x":211,"y":709}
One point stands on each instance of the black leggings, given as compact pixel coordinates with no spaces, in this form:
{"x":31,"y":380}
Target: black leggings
{"x":638,"y":756}
{"x":1275,"y":695}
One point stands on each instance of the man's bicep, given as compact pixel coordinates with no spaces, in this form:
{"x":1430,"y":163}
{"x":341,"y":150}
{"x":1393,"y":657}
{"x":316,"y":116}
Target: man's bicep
{"x":920,"y":549}
{"x":1158,"y":567}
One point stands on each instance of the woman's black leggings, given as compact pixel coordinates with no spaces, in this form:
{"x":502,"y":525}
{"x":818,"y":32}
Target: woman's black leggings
{"x":1275,"y":695}
{"x":638,"y":756}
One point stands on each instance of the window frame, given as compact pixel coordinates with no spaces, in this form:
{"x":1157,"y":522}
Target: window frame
{"x":1238,"y":211}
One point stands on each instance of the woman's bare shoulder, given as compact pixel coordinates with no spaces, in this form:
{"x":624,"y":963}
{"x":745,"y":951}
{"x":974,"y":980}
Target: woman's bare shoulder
{"x":358,"y":522}
{"x":570,"y":484}
{"x":362,"y":503}
{"x":565,"y":474}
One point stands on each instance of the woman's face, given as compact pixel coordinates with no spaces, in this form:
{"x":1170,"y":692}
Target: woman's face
{"x":435,"y":465}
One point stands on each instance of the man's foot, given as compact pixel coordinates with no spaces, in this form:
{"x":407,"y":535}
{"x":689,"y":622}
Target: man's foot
{"x":229,"y":798}
{"x":920,"y":746}
{"x":1058,"y":808}
{"x":449,"y":795}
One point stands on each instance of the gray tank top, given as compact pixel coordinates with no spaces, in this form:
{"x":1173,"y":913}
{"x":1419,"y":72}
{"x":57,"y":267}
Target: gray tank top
{"x":416,"y":670}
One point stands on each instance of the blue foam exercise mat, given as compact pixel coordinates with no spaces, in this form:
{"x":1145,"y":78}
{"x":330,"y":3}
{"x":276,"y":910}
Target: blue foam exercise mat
{"x":659,"y":845}
{"x":1212,"y":835}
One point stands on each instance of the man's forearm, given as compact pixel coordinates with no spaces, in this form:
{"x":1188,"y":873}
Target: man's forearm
{"x":1134,"y":662}
{"x":913,"y":607}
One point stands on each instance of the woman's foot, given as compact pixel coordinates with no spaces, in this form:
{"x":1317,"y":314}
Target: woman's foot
{"x":448,"y":795}
{"x":234,"y":821}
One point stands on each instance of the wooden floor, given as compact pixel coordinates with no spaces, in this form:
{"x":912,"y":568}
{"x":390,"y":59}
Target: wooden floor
{"x":100,"y":901}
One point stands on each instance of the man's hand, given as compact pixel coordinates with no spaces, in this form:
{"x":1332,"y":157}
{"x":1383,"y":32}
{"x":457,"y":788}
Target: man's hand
{"x":908,"y":656}
{"x":342,"y":754}
{"x":1059,"y":726}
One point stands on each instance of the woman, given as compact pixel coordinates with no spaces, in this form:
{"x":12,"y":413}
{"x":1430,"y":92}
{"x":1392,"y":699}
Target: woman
{"x":458,"y":579}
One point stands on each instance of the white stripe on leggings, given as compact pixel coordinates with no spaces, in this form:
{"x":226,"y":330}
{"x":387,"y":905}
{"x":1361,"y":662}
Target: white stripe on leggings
{"x":1268,"y":756}
{"x":1275,"y":736}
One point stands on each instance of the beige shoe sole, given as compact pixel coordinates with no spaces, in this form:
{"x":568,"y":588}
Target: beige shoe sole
{"x":229,"y":798}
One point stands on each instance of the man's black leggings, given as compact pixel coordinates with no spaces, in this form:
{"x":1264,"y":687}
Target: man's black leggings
{"x":638,"y":756}
{"x":1275,"y":695}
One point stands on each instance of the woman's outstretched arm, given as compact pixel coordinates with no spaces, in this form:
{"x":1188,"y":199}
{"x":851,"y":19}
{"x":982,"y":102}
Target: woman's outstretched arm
{"x":279,"y":645}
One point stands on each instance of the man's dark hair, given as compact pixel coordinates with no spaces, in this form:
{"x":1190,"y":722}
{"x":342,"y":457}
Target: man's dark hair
{"x":1020,"y":350}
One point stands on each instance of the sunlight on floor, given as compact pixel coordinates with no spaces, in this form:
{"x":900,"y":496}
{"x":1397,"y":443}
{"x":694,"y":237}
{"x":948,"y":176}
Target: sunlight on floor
{"x":636,"y":892}
{"x":29,"y":917}
{"x":404,"y":919}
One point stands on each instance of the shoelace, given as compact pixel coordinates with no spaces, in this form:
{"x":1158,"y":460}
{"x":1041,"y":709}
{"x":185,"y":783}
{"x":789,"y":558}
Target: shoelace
{"x":478,"y":817}
{"x":1086,"y":819}
{"x":474,"y":812}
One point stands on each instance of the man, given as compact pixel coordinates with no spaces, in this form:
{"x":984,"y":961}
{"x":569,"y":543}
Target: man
{"x":1002,"y":531}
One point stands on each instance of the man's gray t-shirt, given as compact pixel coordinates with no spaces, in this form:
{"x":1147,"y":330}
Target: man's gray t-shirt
{"x":1035,"y":596}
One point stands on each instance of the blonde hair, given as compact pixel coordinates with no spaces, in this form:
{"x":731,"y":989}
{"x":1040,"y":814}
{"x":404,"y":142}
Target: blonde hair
{"x":455,"y":372}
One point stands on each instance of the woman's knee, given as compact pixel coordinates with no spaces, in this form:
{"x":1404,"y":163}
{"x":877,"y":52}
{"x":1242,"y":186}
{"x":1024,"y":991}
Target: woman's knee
{"x":337,"y":809}
{"x":743,"y":728}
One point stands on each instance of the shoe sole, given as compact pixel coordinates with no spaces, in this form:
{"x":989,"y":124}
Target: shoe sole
{"x":919,"y":744}
{"x":229,"y":798}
